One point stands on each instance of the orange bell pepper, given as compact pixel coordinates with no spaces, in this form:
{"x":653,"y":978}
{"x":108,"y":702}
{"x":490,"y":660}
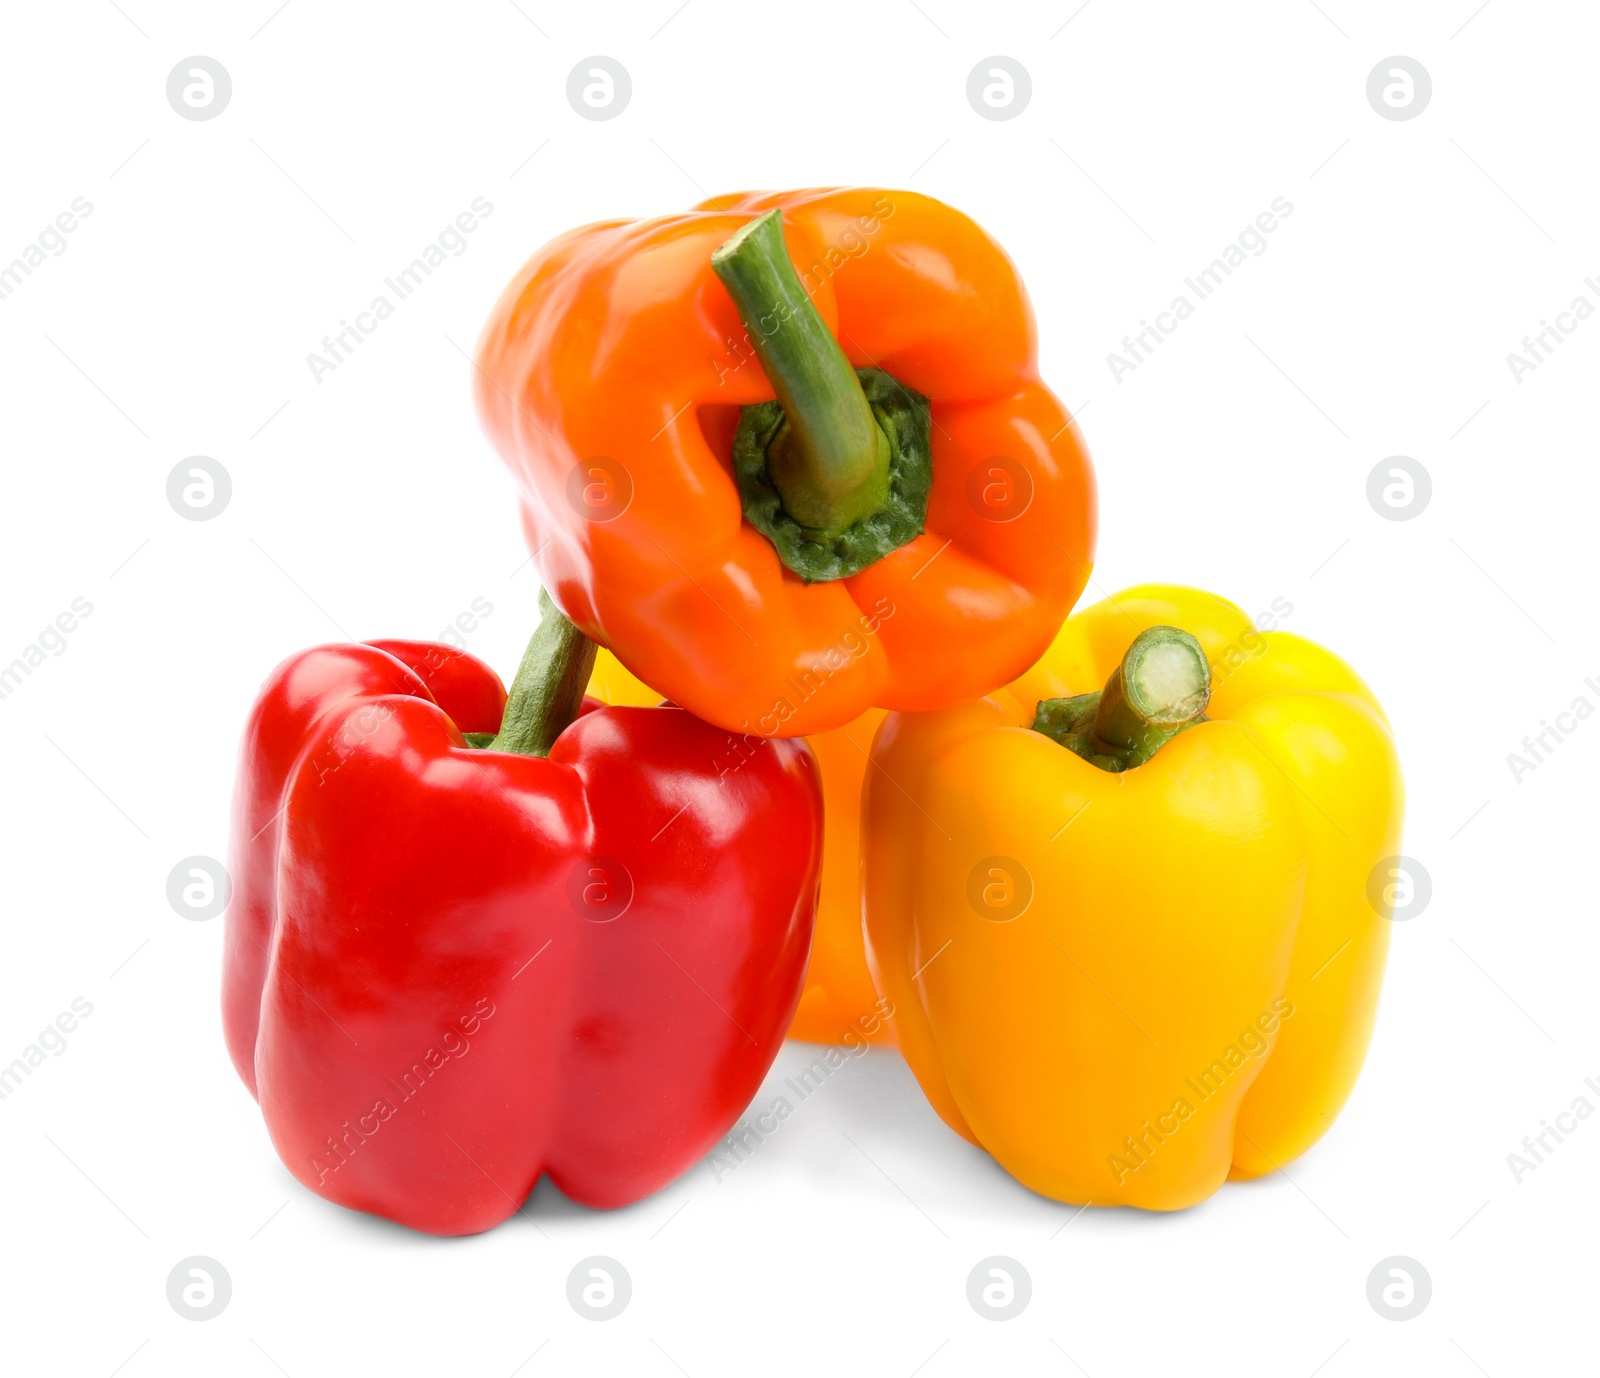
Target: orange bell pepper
{"x":838,"y":1003}
{"x":906,"y":525}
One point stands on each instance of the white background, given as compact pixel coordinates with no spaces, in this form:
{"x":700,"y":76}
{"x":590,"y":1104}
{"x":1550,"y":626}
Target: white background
{"x":217,"y":256}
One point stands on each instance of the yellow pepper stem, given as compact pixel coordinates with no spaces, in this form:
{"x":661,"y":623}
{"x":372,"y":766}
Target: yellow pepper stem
{"x":1161,"y":687}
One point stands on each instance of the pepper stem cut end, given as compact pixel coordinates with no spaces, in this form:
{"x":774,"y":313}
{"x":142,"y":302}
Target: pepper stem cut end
{"x":548,"y":689}
{"x":1161,"y":687}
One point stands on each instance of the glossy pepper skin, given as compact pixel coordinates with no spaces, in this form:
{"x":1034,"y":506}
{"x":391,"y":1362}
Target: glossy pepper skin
{"x":450,"y":970}
{"x":610,"y":377}
{"x":838,"y":1003}
{"x":1189,"y":988}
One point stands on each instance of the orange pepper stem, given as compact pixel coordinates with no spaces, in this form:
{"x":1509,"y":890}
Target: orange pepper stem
{"x":548,"y":690}
{"x":1161,"y":687}
{"x":830,"y":464}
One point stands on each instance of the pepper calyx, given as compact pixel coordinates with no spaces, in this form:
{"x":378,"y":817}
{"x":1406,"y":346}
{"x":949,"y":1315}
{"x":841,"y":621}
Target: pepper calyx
{"x":904,"y":418}
{"x":1160,"y":688}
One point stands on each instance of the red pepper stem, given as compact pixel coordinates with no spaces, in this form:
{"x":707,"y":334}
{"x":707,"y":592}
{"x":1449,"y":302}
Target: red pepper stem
{"x":548,"y":690}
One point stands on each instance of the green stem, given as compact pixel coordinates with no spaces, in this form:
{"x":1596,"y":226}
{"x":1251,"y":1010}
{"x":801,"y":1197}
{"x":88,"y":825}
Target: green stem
{"x":1161,"y":687}
{"x":830,"y":466}
{"x":548,"y":690}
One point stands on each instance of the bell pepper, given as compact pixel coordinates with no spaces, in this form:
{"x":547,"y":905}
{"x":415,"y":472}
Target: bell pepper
{"x":611,"y":683}
{"x":788,"y":455}
{"x":475,"y":939}
{"x":1127,"y":932}
{"x":837,"y":1002}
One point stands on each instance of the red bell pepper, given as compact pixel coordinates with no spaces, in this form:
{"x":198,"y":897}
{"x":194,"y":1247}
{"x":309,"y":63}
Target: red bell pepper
{"x":450,"y":969}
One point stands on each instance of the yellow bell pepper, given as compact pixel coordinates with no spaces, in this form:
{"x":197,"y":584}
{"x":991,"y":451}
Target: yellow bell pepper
{"x":612,"y":682}
{"x":1136,"y":956}
{"x":838,"y":1003}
